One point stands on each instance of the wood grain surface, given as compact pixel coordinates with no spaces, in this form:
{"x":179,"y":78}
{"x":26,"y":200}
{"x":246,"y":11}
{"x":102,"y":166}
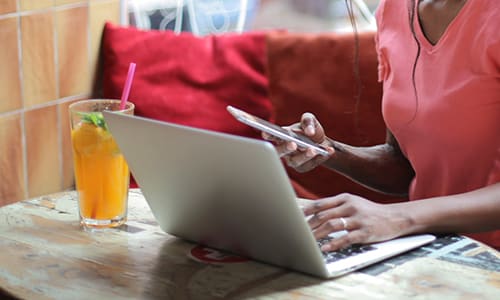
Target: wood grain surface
{"x":46,"y":255}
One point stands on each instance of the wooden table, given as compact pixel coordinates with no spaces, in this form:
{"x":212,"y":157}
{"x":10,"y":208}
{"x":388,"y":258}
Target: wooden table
{"x":45,"y":255}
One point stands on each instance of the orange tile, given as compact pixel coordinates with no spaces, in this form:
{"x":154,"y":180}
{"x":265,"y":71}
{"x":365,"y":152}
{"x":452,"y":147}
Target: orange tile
{"x":35,"y":4}
{"x":38,"y":63}
{"x":12,"y":186}
{"x":72,"y":45}
{"x":100,"y":12}
{"x":42,"y":143}
{"x":10,"y":86}
{"x":7,"y":6}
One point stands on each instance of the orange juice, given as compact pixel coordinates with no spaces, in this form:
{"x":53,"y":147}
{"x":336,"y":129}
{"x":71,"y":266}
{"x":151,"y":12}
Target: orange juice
{"x":101,"y":172}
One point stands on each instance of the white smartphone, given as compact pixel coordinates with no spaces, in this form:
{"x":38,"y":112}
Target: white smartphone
{"x":275,"y":130}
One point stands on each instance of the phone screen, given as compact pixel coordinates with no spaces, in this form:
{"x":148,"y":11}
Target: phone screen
{"x":275,"y":130}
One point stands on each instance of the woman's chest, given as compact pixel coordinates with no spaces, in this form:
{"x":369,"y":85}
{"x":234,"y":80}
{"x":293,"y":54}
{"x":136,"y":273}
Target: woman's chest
{"x":435,"y":16}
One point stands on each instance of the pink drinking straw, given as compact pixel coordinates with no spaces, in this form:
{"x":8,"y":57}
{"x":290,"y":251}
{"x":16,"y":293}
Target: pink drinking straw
{"x":128,"y":85}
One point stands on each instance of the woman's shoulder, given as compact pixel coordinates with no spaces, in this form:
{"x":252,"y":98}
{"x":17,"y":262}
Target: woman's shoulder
{"x":484,"y":17}
{"x":393,"y":13}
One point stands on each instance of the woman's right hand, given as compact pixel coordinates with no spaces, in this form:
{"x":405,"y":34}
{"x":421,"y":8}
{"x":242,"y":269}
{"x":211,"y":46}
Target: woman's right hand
{"x":303,"y":160}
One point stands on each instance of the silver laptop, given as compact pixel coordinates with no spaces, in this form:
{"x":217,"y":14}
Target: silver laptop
{"x":231,"y":193}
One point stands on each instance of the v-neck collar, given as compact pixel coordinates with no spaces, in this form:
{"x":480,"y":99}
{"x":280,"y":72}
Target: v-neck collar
{"x":424,"y":41}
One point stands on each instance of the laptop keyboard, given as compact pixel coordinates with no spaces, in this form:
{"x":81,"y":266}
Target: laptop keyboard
{"x":343,"y":253}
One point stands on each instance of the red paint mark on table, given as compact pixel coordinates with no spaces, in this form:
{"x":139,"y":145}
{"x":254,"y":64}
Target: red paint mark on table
{"x":209,"y":255}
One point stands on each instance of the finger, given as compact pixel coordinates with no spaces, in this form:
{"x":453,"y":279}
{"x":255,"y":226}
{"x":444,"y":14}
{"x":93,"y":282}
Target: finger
{"x":351,"y":238}
{"x":323,"y":204}
{"x":306,"y":159}
{"x":337,"y":215}
{"x":330,"y":150}
{"x":286,"y":148}
{"x":310,"y":152}
{"x":271,"y":138}
{"x":266,"y":136}
{"x":333,"y":225}
{"x":299,"y":158}
{"x":307,"y":164}
{"x":308,"y":124}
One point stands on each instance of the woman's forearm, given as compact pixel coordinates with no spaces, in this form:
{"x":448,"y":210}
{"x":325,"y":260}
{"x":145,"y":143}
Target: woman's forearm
{"x":382,"y":168}
{"x":474,"y":211}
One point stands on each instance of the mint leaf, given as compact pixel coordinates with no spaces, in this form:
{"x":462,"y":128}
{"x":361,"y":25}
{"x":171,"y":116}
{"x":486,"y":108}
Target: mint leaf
{"x":95,"y":118}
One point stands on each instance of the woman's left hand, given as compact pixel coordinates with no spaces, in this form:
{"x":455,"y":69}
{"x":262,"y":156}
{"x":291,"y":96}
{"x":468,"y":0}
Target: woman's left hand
{"x":365,"y":221}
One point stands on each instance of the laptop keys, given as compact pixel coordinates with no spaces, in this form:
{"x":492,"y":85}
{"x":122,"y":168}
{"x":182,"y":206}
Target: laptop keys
{"x":343,"y":253}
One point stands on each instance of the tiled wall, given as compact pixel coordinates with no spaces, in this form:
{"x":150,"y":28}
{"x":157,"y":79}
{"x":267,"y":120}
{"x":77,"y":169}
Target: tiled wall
{"x":48,"y":56}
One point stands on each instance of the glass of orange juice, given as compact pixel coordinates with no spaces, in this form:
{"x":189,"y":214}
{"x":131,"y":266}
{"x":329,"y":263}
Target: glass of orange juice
{"x":101,"y":172}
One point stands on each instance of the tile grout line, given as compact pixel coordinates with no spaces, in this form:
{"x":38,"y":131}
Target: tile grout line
{"x":58,"y":95}
{"x":44,"y":105}
{"x":19,"y":13}
{"x":89,"y":46}
{"x":24,"y":143}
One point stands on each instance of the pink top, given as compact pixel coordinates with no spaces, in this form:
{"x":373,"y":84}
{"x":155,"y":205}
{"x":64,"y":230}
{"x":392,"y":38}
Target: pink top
{"x":451,"y":132}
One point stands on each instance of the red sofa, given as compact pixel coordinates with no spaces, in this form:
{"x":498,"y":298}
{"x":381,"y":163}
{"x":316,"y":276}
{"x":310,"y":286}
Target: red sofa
{"x":275,"y":75}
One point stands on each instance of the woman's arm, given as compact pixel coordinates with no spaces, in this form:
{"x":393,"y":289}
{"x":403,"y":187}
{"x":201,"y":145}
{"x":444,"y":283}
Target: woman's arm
{"x":383,"y":168}
{"x":367,"y":222}
{"x":474,"y":211}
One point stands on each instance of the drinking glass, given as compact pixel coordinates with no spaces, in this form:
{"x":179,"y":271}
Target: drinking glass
{"x":101,"y":172}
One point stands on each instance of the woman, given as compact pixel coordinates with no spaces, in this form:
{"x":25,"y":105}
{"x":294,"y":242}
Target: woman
{"x":439,"y":61}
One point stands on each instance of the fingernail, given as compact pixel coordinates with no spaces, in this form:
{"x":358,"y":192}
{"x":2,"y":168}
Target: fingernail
{"x":325,"y":248}
{"x":290,"y":146}
{"x":309,"y":130}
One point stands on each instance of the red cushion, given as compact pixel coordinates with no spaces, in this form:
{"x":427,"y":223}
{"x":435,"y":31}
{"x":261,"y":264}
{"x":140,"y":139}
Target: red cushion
{"x":187,"y":79}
